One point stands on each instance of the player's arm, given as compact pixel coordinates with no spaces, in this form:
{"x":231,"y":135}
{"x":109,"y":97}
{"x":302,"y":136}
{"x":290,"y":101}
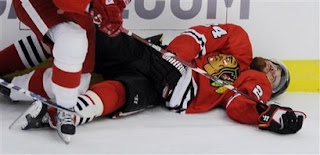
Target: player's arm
{"x":240,"y":108}
{"x":108,"y":15}
{"x":269,"y":117}
{"x":203,"y":39}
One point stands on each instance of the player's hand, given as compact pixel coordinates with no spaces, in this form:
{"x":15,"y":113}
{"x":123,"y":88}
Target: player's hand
{"x":107,"y":15}
{"x":166,"y":71}
{"x":281,"y":120}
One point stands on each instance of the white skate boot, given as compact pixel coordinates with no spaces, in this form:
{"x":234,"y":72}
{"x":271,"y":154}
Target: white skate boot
{"x":65,"y":125}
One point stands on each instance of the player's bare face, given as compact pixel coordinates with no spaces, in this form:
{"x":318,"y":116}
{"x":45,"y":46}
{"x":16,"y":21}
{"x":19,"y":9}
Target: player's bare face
{"x":216,"y":63}
{"x":273,"y":73}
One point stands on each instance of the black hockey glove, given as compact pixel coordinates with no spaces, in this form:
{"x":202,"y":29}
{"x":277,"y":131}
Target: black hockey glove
{"x":166,"y":72}
{"x":282,"y":120}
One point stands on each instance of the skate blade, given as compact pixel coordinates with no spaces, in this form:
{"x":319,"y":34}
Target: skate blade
{"x":64,"y":137}
{"x":21,"y":121}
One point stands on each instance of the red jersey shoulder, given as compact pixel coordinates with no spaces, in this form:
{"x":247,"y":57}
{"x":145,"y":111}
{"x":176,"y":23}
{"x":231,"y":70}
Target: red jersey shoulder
{"x":227,"y":39}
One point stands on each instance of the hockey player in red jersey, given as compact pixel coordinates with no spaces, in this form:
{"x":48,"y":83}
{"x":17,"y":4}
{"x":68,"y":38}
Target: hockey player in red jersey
{"x":67,"y":28}
{"x":138,"y":77}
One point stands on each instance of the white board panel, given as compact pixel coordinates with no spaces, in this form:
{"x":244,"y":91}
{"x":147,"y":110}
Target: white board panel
{"x":282,"y":29}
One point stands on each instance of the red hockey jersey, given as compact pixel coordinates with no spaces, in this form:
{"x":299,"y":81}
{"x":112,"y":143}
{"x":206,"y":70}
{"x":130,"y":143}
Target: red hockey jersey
{"x":79,"y":6}
{"x":76,"y":6}
{"x":196,"y":94}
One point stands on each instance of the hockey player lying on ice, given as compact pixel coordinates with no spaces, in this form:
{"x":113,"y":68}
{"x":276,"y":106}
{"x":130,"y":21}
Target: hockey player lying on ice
{"x":137,"y":77}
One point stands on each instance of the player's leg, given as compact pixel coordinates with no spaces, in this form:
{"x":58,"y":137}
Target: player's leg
{"x":28,"y":52}
{"x":69,"y":52}
{"x":140,"y":94}
{"x":39,"y":82}
{"x":115,"y":98}
{"x":25,"y":53}
{"x":101,"y":99}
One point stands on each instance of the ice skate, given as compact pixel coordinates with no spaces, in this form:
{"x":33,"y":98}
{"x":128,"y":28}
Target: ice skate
{"x":65,"y":125}
{"x":32,"y":117}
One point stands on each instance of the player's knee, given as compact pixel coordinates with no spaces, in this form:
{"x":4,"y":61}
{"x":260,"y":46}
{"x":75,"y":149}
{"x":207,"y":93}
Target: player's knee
{"x":70,"y":46}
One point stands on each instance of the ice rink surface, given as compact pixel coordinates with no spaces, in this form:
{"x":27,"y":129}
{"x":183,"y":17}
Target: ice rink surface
{"x":158,"y":131}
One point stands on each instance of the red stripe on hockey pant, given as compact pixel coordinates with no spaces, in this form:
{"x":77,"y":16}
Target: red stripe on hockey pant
{"x":65,"y":79}
{"x":10,"y":60}
{"x":112,"y":93}
{"x":36,"y":82}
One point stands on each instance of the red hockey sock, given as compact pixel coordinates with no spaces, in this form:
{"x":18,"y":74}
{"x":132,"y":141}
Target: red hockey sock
{"x":112,"y":95}
{"x":36,"y":82}
{"x":10,"y":60}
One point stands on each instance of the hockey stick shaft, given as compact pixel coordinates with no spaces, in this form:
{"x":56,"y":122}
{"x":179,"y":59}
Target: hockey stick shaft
{"x":35,"y":96}
{"x":188,"y":64}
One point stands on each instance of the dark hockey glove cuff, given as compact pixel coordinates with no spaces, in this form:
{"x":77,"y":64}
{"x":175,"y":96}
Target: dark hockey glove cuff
{"x":166,"y":72}
{"x":282,"y":120}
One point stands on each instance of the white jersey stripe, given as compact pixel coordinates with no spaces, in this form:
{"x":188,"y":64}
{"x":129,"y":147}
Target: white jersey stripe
{"x":21,"y":55}
{"x":199,"y":38}
{"x":186,"y":100}
{"x":38,"y":47}
{"x":30,"y":52}
{"x":35,"y":17}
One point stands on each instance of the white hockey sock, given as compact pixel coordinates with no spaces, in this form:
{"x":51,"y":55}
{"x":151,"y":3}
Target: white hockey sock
{"x":88,"y":105}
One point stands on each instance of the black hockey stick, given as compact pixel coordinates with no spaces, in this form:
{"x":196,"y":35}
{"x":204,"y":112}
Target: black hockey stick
{"x":36,"y":97}
{"x":188,"y":64}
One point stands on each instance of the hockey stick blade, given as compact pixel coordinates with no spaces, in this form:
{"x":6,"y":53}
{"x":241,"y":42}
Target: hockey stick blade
{"x":36,"y":97}
{"x":188,"y":64}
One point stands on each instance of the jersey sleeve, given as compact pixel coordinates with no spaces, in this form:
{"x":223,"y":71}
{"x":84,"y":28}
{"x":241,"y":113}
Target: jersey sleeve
{"x":240,"y":108}
{"x":75,"y":6}
{"x":204,"y":39}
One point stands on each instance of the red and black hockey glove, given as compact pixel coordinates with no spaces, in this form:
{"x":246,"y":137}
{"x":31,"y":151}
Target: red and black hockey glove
{"x":107,"y":15}
{"x":281,"y":120}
